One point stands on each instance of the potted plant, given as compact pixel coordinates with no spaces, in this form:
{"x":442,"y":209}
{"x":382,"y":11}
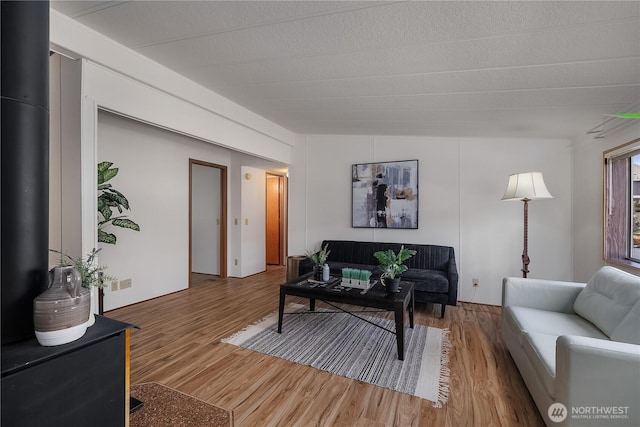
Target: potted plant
{"x":91,"y":274}
{"x":109,"y":198}
{"x":392,"y":266}
{"x":318,"y":258}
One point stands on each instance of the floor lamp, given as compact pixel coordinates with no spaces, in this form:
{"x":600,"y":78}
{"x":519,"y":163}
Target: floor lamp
{"x":526,"y":187}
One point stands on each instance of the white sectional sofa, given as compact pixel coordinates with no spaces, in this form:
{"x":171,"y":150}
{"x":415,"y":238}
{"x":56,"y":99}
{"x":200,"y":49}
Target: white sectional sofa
{"x":577,"y":346}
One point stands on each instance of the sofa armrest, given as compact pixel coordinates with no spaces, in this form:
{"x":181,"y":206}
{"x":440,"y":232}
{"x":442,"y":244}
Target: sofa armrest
{"x":592,"y":372}
{"x":452,"y":275}
{"x":550,"y":295}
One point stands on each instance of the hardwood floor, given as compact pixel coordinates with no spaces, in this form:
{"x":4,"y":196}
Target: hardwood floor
{"x":198,"y":279}
{"x":179,"y":345}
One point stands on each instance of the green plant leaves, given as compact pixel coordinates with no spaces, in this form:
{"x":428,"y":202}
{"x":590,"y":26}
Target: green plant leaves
{"x":91,"y":274}
{"x":125,"y":223}
{"x":113,"y":198}
{"x":105,"y":237}
{"x":319,"y":257}
{"x":105,"y":173}
{"x":392,"y":263}
{"x":104,"y":210}
{"x":109,"y":199}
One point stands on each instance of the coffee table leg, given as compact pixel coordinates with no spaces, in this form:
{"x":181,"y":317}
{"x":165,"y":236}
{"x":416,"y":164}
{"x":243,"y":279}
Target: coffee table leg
{"x":411,"y":308}
{"x":312,"y":304}
{"x":281,"y":309}
{"x":399,"y":311}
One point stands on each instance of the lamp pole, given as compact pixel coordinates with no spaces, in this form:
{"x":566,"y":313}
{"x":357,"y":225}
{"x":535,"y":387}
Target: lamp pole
{"x":525,"y":251}
{"x":525,"y":187}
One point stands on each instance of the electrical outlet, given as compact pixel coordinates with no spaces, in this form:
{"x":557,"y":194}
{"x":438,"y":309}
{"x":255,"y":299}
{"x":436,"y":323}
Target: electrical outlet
{"x":235,"y":262}
{"x":125,"y":283}
{"x":475,"y":282}
{"x":114,"y":286}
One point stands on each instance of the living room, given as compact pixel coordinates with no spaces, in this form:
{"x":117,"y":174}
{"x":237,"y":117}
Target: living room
{"x":461,"y":190}
{"x":150,"y":120}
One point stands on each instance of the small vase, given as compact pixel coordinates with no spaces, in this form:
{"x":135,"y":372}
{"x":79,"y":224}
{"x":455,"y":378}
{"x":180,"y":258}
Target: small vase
{"x":61,"y":313}
{"x":317,"y":272}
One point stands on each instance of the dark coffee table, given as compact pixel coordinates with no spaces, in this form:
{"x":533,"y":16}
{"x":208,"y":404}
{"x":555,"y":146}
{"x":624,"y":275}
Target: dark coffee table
{"x":375,"y":297}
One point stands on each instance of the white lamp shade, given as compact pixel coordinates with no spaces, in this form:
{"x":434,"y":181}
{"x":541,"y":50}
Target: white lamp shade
{"x":528,"y":185}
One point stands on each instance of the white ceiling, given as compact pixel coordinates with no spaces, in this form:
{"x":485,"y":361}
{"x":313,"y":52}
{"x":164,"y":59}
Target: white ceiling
{"x":488,"y":69}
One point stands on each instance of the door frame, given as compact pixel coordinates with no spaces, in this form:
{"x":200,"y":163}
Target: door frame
{"x":284,"y":221}
{"x":223,"y":214}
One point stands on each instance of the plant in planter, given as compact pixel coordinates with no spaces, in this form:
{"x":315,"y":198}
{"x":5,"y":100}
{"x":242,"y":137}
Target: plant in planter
{"x":318,"y":258}
{"x":109,"y":198}
{"x":92,"y":275}
{"x":392,"y":266}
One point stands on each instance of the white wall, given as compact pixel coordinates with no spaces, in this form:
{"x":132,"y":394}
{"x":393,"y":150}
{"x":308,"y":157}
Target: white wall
{"x":115,"y":82}
{"x":116,"y":92}
{"x":119,"y":80}
{"x":588,"y":199}
{"x":491,"y":230}
{"x":154,"y":176}
{"x":461,"y":182}
{"x":205,"y":219}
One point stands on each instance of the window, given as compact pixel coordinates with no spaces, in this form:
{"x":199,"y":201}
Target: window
{"x":622,"y":204}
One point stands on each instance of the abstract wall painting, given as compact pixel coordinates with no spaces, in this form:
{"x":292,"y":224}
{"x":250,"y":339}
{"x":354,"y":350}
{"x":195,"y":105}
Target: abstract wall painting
{"x":385,"y":195}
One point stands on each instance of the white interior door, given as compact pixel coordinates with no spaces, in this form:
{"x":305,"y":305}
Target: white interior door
{"x":205,"y":220}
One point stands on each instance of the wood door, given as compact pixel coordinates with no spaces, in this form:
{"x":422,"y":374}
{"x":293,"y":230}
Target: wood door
{"x":275,"y":185}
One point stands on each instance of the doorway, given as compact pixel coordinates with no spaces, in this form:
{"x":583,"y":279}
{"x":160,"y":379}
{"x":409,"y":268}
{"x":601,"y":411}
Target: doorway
{"x":207,"y":222}
{"x":275,"y":219}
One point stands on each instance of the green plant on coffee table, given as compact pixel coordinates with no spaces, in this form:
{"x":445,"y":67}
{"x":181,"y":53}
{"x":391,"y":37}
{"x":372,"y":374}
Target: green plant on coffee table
{"x":364,"y":275}
{"x":91,"y":274}
{"x":319,"y":257}
{"x":348,"y":273}
{"x":392,"y":264}
{"x":355,"y":274}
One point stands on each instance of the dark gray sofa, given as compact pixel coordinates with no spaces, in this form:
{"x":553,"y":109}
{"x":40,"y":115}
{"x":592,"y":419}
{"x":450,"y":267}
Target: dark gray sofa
{"x":432,"y":269}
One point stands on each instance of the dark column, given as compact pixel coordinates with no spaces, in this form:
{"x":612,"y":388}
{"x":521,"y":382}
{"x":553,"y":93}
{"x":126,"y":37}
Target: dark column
{"x":24,"y":163}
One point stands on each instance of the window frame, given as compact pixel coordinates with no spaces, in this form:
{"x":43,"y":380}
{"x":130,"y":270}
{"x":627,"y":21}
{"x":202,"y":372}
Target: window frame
{"x":617,"y":227}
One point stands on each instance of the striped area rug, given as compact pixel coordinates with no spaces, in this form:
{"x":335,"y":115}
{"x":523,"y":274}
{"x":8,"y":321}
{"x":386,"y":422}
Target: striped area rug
{"x":349,"y":347}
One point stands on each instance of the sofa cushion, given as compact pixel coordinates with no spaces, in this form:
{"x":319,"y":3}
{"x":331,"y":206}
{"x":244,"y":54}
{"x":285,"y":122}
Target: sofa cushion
{"x":629,"y":329}
{"x":550,"y":322}
{"x":430,"y":257}
{"x":349,"y":251}
{"x":540,"y":349}
{"x":427,"y":280}
{"x":608,"y":298}
{"x":539,"y":330}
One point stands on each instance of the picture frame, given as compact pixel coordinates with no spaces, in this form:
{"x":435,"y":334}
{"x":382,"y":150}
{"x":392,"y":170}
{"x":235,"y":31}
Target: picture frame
{"x":385,"y":195}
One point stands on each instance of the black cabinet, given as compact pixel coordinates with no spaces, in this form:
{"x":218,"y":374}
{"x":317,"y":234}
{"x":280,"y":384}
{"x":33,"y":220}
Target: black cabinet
{"x":82,"y":383}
